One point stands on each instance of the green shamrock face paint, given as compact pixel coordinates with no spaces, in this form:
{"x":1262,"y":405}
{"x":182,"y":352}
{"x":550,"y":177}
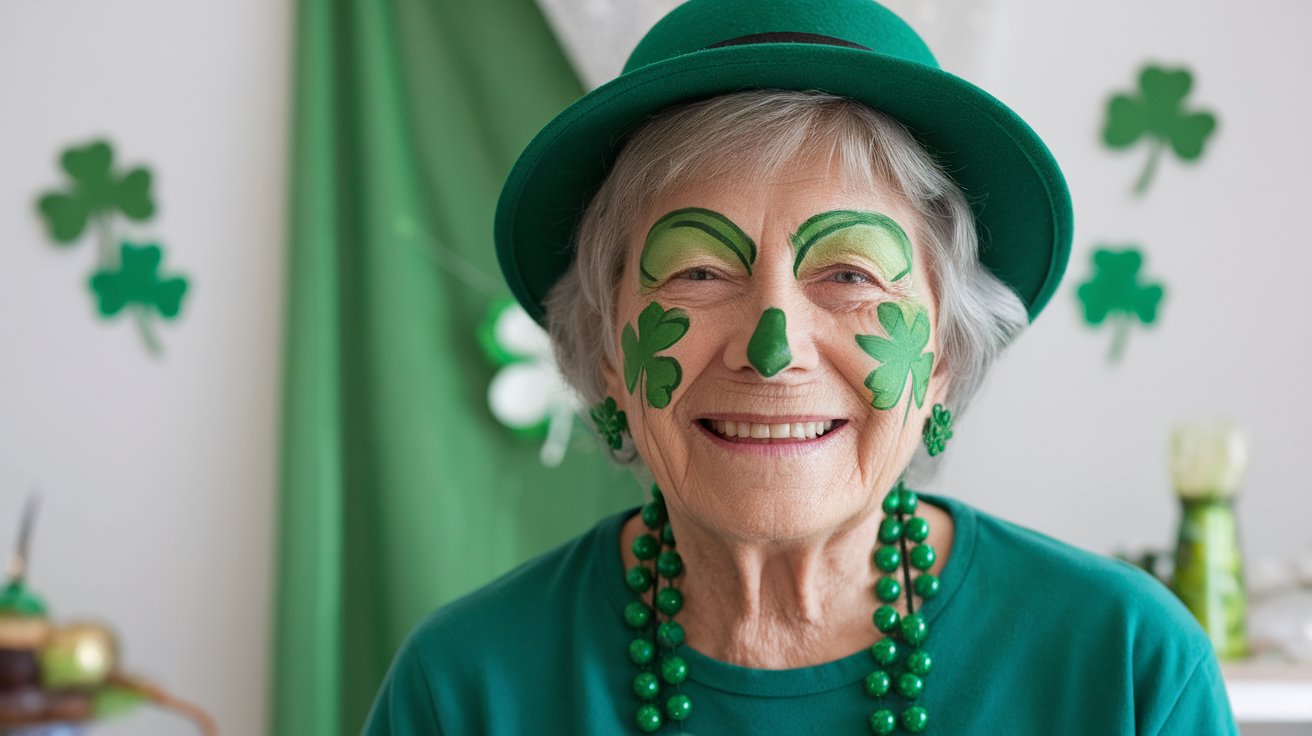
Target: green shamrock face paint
{"x":768,"y":348}
{"x":658,"y":329}
{"x":693,"y":235}
{"x":842,"y":236}
{"x":899,"y":356}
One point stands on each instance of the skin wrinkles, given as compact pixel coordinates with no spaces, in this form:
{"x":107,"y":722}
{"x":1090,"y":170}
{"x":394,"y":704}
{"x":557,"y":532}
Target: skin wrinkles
{"x":777,"y":542}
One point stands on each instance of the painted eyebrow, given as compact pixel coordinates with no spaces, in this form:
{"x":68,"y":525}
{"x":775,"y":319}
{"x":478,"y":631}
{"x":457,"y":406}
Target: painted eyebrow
{"x":818,"y":227}
{"x":721,"y":229}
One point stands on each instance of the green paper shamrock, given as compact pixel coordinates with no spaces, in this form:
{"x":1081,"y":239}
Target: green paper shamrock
{"x":1157,"y":111}
{"x":1114,"y":290}
{"x":938,"y":429}
{"x":899,"y":355}
{"x":527,"y":393}
{"x":95,"y":191}
{"x":658,"y":329}
{"x":611,"y":423}
{"x":137,"y":281}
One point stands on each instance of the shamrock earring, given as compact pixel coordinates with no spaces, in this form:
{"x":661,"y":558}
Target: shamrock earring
{"x":612,"y":423}
{"x":938,"y":429}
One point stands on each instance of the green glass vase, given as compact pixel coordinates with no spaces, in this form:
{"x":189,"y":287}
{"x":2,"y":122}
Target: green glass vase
{"x":1207,"y":462}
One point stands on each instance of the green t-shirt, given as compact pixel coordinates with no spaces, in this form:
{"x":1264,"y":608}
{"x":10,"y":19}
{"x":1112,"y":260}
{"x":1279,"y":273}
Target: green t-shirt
{"x":1029,"y":636}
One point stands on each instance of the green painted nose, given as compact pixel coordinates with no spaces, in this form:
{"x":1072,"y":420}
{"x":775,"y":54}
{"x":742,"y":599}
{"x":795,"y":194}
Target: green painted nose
{"x":768,"y":348}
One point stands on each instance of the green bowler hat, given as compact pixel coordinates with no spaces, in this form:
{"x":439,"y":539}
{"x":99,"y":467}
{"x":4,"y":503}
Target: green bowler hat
{"x":853,"y":48}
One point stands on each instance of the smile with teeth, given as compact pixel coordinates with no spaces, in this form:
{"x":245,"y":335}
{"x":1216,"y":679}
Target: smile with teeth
{"x":729,"y":429}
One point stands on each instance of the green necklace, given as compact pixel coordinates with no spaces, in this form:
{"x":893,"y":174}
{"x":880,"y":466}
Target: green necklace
{"x":901,"y":664}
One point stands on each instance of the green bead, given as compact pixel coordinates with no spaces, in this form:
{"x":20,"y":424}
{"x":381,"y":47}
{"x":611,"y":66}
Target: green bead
{"x":642,"y":651}
{"x":919,"y":662}
{"x":669,"y":601}
{"x":673,"y":669}
{"x":888,"y":558}
{"x":649,"y":718}
{"x":669,"y":634}
{"x":922,"y":557}
{"x":884,"y":651}
{"x":914,"y":719}
{"x":667,"y":535}
{"x":888,"y":589}
{"x":656,"y":494}
{"x":637,"y":614}
{"x":916,"y":529}
{"x":678,"y":707}
{"x":910,"y":686}
{"x":886,"y":618}
{"x":653,"y":514}
{"x":909,"y":502}
{"x":646,"y":686}
{"x":889,"y":530}
{"x":882,"y":721}
{"x":669,"y":565}
{"x":927,"y":586}
{"x":638,"y":578}
{"x":893,"y":501}
{"x":914,"y":629}
{"x":877,"y":684}
{"x":646,"y":547}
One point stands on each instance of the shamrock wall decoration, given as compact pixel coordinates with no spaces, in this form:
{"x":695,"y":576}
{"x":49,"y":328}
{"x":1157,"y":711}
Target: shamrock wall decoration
{"x":1157,"y":112}
{"x":1114,"y":291}
{"x":127,"y":276}
{"x":527,"y":394}
{"x":899,"y":356}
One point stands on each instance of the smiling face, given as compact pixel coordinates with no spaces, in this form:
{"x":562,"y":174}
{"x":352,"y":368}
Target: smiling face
{"x":779,"y":351}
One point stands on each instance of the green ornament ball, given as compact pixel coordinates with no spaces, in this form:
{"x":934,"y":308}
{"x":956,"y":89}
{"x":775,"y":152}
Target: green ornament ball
{"x":926,"y":586}
{"x":888,"y":589}
{"x":642,"y":651}
{"x":669,"y":601}
{"x":922,"y":557}
{"x":649,"y":718}
{"x":914,"y":629}
{"x":669,"y":565}
{"x":910,"y":686}
{"x":877,"y":684}
{"x":888,"y":558}
{"x":653,"y":514}
{"x":678,"y":707}
{"x":646,"y":547}
{"x":669,"y":634}
{"x":890,"y":530}
{"x":638,"y":578}
{"x":916,"y":529}
{"x":673,"y":669}
{"x":646,"y":686}
{"x":886,"y":618}
{"x":892,"y":502}
{"x":919,"y":662}
{"x":882,"y":722}
{"x":884,"y":651}
{"x":909,"y":502}
{"x":637,"y":615}
{"x":914,"y":719}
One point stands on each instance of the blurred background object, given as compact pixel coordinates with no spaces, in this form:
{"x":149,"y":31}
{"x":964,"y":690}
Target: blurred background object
{"x":311,"y":464}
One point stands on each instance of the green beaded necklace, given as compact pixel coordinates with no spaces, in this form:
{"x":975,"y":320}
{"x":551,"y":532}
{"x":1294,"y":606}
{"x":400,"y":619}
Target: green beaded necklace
{"x":655,"y":649}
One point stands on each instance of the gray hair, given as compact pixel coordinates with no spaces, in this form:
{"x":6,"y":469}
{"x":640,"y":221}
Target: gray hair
{"x":750,"y":135}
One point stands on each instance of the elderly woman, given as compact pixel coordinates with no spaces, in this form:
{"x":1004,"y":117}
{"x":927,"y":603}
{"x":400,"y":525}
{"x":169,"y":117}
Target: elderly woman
{"x":776,"y":297}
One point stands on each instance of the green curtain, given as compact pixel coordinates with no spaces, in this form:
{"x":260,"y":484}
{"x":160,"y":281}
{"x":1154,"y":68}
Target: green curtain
{"x":399,"y":491}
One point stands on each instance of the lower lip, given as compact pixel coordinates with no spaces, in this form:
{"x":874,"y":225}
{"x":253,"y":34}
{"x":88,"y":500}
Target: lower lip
{"x":774,"y":448}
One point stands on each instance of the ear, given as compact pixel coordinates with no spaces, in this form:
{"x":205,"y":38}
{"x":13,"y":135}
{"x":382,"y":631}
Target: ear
{"x":614,"y":378}
{"x":940,"y":381}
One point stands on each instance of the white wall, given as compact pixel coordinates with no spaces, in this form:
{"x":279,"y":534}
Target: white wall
{"x":158,"y":475}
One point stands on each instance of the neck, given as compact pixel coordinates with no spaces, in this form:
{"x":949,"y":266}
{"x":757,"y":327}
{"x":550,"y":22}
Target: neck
{"x":779,"y":605}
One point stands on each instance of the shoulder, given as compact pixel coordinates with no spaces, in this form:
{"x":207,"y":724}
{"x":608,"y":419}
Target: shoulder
{"x":1110,"y":621}
{"x":467,"y":655}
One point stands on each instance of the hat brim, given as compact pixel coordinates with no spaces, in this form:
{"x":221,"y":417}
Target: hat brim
{"x":1016,"y":190}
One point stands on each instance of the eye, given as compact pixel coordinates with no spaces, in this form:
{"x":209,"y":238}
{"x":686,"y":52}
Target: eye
{"x":848,"y":276}
{"x":697,"y":274}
